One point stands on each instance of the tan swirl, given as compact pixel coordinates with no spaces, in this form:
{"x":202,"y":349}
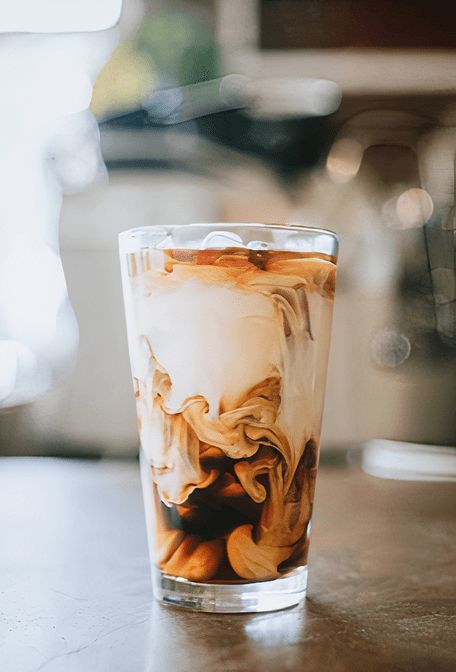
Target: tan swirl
{"x":189,"y":442}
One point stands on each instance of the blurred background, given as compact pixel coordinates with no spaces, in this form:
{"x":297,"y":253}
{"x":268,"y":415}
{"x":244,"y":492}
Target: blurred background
{"x":332,"y":113}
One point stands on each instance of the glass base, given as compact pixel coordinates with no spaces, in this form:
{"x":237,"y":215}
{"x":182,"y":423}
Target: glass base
{"x":281,"y":593}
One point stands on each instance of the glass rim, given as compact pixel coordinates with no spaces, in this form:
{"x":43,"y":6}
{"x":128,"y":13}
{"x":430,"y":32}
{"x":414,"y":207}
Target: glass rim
{"x":129,"y":236}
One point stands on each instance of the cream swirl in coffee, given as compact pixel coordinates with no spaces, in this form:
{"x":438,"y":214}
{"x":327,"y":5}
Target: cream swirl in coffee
{"x":228,"y":362}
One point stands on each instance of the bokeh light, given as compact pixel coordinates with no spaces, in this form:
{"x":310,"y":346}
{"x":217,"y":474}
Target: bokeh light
{"x":414,"y":207}
{"x":344,"y":160}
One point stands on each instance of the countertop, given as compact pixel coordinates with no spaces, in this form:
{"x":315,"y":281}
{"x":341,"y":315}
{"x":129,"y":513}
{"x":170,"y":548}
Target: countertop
{"x":75,"y":592}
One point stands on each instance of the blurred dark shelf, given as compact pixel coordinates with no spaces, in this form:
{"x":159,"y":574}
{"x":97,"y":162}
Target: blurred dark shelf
{"x":335,"y":24}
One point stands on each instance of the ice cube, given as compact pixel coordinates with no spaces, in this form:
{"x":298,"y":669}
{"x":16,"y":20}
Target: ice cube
{"x":221,"y":239}
{"x":165,"y":243}
{"x":258,"y":245}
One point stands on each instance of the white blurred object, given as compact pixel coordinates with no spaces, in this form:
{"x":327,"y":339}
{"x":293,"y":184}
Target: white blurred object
{"x":58,"y":16}
{"x":404,"y":461}
{"x":178,"y":104}
{"x":50,"y":54}
{"x":288,"y":97}
{"x":267,"y":99}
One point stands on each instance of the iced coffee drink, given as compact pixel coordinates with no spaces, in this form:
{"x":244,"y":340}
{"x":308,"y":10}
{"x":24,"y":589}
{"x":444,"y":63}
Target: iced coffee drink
{"x":228,"y":349}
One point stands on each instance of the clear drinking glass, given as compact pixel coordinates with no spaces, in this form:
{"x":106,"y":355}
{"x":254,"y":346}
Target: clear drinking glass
{"x":228,"y":328}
